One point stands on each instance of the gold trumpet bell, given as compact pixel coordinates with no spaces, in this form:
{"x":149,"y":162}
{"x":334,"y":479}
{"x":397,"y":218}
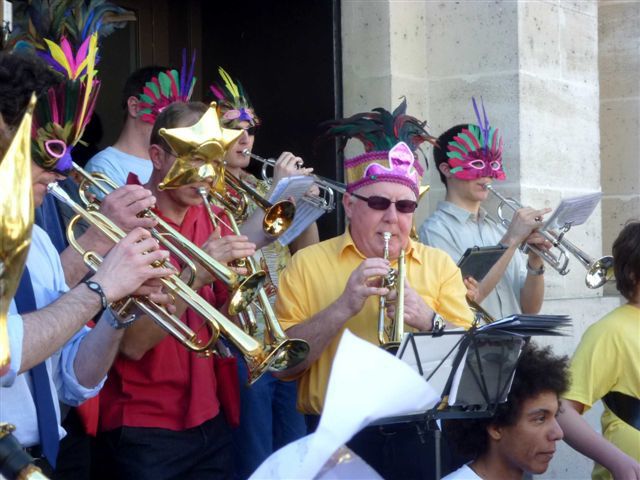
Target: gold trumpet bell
{"x":288,"y":353}
{"x":278,"y":218}
{"x":246,"y":292}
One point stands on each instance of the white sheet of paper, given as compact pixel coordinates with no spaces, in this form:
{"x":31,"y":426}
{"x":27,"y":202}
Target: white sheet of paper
{"x":306,"y":214}
{"x":573,"y":211}
{"x":366,"y":384}
{"x":289,"y":187}
{"x":295,"y":187}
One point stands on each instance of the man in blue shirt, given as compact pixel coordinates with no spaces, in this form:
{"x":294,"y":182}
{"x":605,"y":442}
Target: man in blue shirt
{"x":51,"y":335}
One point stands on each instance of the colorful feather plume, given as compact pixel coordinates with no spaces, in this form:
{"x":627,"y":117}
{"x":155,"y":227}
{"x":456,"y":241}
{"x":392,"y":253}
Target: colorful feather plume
{"x":61,"y":117}
{"x":166,"y":88}
{"x":475,"y":138}
{"x":380,"y":130}
{"x":35,"y":20}
{"x":234,"y":104}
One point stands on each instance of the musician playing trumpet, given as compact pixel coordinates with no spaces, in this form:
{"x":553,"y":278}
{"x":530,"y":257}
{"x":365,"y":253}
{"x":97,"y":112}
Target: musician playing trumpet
{"x":468,"y":158}
{"x":269,"y":419}
{"x":335,"y":284}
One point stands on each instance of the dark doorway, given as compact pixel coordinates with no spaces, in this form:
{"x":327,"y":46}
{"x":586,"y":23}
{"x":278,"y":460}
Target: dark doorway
{"x":287,"y":55}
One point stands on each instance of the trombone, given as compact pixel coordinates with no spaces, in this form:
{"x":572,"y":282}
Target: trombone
{"x":328,"y":187}
{"x":390,"y":338}
{"x":285,"y":355}
{"x":599,"y":271}
{"x":244,"y":289}
{"x":291,"y":350}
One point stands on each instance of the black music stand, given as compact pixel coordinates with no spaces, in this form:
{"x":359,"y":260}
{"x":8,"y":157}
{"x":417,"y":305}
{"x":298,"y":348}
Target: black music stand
{"x":478,"y":371}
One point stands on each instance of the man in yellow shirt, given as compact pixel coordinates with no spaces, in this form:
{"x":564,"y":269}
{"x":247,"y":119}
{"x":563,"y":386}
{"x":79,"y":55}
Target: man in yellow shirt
{"x":335,"y":284}
{"x":605,"y":366}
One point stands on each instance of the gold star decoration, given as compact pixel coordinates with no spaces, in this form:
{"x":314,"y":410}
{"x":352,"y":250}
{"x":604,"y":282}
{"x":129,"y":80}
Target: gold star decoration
{"x":205,"y":142}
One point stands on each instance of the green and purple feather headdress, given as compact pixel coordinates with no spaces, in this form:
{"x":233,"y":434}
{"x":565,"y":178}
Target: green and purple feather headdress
{"x":476,"y":151}
{"x":391,"y":142}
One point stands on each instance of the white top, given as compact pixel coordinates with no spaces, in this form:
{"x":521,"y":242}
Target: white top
{"x":463,"y":473}
{"x":454,"y":229}
{"x":17,"y":405}
{"x":117,"y":165}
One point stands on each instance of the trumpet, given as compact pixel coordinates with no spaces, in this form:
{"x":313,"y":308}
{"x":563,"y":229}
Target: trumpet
{"x":243,"y":289}
{"x":289,"y":351}
{"x":390,"y":338}
{"x":278,"y":217}
{"x":599,"y":271}
{"x":326,"y":199}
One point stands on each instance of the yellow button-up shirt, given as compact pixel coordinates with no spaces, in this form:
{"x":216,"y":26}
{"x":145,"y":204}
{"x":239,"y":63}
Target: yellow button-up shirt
{"x":318,"y":275}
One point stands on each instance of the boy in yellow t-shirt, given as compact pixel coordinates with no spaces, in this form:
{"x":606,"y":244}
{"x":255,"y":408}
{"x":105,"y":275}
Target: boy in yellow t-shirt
{"x":605,"y":366}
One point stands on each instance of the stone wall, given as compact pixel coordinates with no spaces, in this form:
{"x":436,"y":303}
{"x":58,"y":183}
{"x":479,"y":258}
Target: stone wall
{"x":556,"y":78}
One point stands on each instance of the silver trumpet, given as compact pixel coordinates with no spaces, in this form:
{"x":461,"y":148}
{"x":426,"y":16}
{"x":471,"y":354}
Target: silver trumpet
{"x":599,"y":271}
{"x":326,"y":199}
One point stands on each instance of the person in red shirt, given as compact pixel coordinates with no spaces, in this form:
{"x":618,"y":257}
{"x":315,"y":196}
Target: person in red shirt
{"x":160,"y":414}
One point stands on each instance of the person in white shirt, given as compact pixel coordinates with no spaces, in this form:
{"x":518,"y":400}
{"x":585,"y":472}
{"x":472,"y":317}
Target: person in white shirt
{"x":130,"y":153}
{"x":521,"y":436}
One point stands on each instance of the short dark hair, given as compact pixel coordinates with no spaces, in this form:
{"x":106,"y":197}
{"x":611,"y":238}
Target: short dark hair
{"x":178,"y":114}
{"x":440,"y":149}
{"x":538,"y":371}
{"x":137,"y":80}
{"x":626,"y":259}
{"x":20,"y":75}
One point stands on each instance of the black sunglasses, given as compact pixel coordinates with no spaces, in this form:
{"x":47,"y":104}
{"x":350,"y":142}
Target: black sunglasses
{"x":250,"y":130}
{"x":381,"y":203}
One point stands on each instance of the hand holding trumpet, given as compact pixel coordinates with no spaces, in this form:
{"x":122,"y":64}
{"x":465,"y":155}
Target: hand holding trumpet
{"x":524,"y":223}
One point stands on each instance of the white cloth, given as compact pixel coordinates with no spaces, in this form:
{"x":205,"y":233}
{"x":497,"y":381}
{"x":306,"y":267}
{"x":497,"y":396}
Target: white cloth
{"x":454,"y":229}
{"x":117,"y":165}
{"x":463,"y":473}
{"x":16,"y":400}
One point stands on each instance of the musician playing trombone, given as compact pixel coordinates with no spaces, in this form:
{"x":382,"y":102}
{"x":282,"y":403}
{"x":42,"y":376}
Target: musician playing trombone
{"x":160,"y":412}
{"x":335,"y":284}
{"x":468,"y":157}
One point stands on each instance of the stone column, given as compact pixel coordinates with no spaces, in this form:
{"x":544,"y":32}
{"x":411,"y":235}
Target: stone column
{"x":384,"y":56}
{"x":619,"y":68}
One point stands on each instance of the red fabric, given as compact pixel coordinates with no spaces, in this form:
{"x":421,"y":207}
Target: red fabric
{"x":89,"y":412}
{"x":170,"y":387}
{"x":228,"y":388}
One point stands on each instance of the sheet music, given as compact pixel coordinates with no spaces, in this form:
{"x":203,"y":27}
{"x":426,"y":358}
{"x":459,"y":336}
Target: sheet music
{"x":531,"y":324}
{"x":295,"y":187}
{"x":366,"y":384}
{"x":306,"y":214}
{"x":573,"y":211}
{"x":291,"y":187}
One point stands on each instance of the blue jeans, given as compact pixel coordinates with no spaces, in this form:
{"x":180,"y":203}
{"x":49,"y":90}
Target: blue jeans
{"x":268,"y":420}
